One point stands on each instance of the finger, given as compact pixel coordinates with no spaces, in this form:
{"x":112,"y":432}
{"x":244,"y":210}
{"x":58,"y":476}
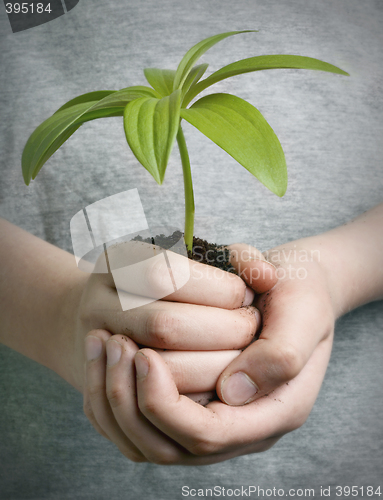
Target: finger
{"x":121,"y":394}
{"x":100,"y":410}
{"x":172,"y":325}
{"x":144,"y":270}
{"x":202,"y":431}
{"x":87,"y":407}
{"x":92,"y":352}
{"x":294,"y":323}
{"x":155,"y":445}
{"x":197,"y":371}
{"x":218,"y":428}
{"x":152,"y":442}
{"x":252,"y":267}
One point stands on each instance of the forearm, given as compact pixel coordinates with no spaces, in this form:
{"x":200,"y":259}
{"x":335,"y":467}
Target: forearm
{"x":351,"y":256}
{"x":39,"y":285}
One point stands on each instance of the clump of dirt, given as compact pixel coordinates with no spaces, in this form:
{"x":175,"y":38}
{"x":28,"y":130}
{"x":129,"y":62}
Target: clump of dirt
{"x":211,"y":254}
{"x":203,"y":251}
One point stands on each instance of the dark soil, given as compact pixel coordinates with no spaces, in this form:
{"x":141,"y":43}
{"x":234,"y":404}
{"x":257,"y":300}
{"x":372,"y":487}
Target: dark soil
{"x":203,"y":251}
{"x":212,"y":254}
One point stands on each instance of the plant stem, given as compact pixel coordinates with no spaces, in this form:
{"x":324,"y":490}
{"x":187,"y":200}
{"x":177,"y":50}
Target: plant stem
{"x":189,"y":194}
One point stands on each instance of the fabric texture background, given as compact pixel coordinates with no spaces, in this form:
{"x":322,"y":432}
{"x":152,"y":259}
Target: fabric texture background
{"x":331,"y":130}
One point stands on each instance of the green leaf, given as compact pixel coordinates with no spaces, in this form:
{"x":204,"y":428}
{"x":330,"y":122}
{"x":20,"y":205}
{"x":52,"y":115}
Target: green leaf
{"x":90,"y":96}
{"x":258,"y":63}
{"x":151,"y":127}
{"x":193,"y":54}
{"x":48,"y":137}
{"x":161,"y":80}
{"x":121,"y":98}
{"x":54,"y":131}
{"x":241,"y":130}
{"x":193,"y":77}
{"x":112,"y":98}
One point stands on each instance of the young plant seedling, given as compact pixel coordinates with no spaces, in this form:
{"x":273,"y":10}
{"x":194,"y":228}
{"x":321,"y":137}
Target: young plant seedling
{"x":153,"y":115}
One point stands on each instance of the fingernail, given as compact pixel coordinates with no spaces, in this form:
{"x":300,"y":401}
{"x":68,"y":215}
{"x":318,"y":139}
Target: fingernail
{"x":249,"y":297}
{"x":93,"y":347}
{"x":263,"y":260}
{"x":258,"y":318}
{"x":238,"y":389}
{"x":271,"y":264}
{"x":113,"y":352}
{"x":142,"y":365}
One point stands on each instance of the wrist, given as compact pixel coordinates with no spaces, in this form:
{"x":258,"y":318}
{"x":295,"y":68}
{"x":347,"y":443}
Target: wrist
{"x":39,"y":286}
{"x":330,"y":255}
{"x":350,"y":257}
{"x":64,"y":357}
{"x":321,"y":257}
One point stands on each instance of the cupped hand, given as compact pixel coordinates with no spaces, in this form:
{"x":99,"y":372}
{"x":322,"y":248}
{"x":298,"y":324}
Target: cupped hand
{"x":298,"y":314}
{"x":143,"y":409}
{"x":202,"y":337}
{"x":212,"y":311}
{"x":110,"y":394}
{"x":278,"y":376}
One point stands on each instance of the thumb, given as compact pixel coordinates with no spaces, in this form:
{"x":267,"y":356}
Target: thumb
{"x":158,"y":399}
{"x":252,"y":267}
{"x":236,"y":385}
{"x":291,"y":332}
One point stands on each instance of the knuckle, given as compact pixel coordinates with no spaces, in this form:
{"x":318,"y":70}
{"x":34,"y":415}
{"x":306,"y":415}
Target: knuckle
{"x":288,"y":363}
{"x":160,"y":326}
{"x":298,"y":423}
{"x":132,"y":455}
{"x":115,"y":396}
{"x":157,"y":279}
{"x":300,"y":419}
{"x":95,"y":390}
{"x":148,"y":407}
{"x":328,"y":321}
{"x":163,"y":457}
{"x":238,"y":292}
{"x":203,"y":446}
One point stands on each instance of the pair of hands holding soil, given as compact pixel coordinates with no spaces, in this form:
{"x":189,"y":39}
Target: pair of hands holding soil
{"x":148,"y":401}
{"x":198,"y":340}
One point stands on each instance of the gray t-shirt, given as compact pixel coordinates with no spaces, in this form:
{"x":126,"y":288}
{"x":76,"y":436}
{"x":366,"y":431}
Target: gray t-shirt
{"x":331,"y":130}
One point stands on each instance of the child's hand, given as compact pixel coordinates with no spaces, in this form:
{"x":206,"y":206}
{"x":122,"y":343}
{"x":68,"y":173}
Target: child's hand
{"x":287,"y":362}
{"x":320,"y":278}
{"x":110,"y":395}
{"x":210,"y":312}
{"x":279,"y":375}
{"x":298,"y":314}
{"x":203,"y":339}
{"x":48,"y":305}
